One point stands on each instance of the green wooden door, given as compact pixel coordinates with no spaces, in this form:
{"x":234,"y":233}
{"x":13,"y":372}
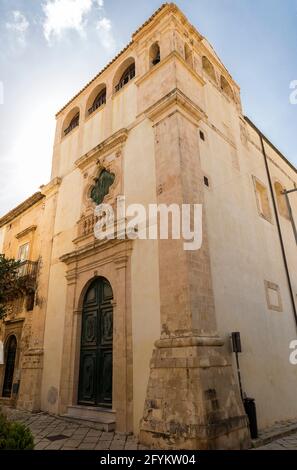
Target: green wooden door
{"x":95,"y":375}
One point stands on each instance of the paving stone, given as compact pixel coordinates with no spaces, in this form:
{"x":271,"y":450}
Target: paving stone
{"x":81,"y":431}
{"x":94,"y":432}
{"x":90,"y":439}
{"x":107,"y":436}
{"x":41,"y":445}
{"x":73,"y":443}
{"x":118,"y":437}
{"x":103,"y":445}
{"x":130,"y":446}
{"x":57,"y":445}
{"x":89,"y":446}
{"x":117,"y":445}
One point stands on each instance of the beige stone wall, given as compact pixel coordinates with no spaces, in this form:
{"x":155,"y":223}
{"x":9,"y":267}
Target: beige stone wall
{"x":245,"y":252}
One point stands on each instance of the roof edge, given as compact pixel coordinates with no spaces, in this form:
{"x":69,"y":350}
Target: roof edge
{"x":248,"y":120}
{"x":151,"y":18}
{"x":31,"y":201}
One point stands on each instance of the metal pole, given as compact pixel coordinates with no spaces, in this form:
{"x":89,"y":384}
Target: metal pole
{"x":239,"y":376}
{"x":278,"y":228}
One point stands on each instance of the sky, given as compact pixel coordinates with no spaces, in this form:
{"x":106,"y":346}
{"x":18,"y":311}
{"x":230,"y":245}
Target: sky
{"x":49,"y":49}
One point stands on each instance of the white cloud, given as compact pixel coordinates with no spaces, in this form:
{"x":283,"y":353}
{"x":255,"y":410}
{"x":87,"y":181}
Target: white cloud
{"x":18,"y":26}
{"x":63,"y":15}
{"x":104,"y":29}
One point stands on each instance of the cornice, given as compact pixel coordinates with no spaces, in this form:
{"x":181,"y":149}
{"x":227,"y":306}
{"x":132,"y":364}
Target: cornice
{"x":51,"y":188}
{"x":14,"y":320}
{"x":172,"y":55}
{"x":25,"y":232}
{"x":175,"y":101}
{"x":21,"y":208}
{"x":111,"y":251}
{"x":104,"y":147}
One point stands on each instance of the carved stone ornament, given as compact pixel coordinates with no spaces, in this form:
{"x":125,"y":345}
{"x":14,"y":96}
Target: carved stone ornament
{"x":102,"y":185}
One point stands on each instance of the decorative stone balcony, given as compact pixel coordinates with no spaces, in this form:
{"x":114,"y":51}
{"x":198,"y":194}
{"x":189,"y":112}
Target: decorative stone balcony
{"x":86,"y":225}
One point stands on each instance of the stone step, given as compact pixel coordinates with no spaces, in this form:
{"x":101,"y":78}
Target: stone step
{"x":7,"y":401}
{"x":97,"y":418}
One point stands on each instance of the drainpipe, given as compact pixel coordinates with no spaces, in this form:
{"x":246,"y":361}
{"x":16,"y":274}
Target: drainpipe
{"x":278,"y":225}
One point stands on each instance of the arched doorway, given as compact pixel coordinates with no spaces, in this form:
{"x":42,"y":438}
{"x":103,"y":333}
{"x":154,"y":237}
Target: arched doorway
{"x":10,"y":353}
{"x":95,"y":372}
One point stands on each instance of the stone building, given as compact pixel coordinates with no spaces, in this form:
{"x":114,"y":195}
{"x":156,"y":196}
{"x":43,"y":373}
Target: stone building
{"x":134,"y":333}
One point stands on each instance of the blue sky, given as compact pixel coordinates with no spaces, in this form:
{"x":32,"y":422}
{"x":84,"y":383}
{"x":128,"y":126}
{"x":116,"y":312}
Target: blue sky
{"x":50,"y":48}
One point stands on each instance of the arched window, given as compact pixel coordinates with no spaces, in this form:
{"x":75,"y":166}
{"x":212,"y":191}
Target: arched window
{"x":281,"y":200}
{"x":71,"y":121}
{"x":155,"y":56}
{"x":188,"y":55}
{"x":208,"y":68}
{"x":226,"y":88}
{"x":128,"y":75}
{"x":99,"y":101}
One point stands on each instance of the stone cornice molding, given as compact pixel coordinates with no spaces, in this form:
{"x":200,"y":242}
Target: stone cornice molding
{"x":34,"y":352}
{"x":21,"y":208}
{"x":51,"y":188}
{"x":175,"y":101}
{"x":25,"y":232}
{"x":13,"y":321}
{"x":150,"y":24}
{"x":172,"y":55}
{"x":109,"y":144}
{"x":124,"y":249}
{"x":180,"y":342}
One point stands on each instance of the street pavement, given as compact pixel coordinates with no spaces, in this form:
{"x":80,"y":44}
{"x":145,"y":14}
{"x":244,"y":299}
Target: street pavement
{"x":58,"y":433}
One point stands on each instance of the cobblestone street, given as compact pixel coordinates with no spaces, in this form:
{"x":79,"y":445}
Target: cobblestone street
{"x":55,"y":433}
{"x":285,"y":443}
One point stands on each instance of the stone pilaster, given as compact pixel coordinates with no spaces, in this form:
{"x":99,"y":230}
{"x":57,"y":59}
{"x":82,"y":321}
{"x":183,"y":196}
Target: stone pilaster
{"x":192,"y":398}
{"x":29,"y":394}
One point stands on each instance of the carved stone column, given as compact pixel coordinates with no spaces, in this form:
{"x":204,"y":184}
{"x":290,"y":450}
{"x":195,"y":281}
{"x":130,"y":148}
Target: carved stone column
{"x":192,"y":398}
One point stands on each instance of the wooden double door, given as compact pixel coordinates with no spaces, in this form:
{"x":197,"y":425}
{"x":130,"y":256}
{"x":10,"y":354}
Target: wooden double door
{"x":10,"y":355}
{"x":95,"y":374}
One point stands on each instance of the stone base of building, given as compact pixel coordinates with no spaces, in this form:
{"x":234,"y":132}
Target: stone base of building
{"x":29,"y":397}
{"x":192,"y":401}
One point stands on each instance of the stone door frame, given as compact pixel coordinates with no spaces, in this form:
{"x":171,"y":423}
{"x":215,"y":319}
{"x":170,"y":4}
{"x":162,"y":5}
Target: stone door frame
{"x":12,"y":328}
{"x":112,"y":260}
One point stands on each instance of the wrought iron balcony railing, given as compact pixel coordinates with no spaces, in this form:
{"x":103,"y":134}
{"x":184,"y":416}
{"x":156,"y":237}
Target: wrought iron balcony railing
{"x":27,"y":269}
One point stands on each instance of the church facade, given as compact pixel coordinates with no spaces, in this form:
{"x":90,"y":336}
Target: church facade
{"x":135,"y":333}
